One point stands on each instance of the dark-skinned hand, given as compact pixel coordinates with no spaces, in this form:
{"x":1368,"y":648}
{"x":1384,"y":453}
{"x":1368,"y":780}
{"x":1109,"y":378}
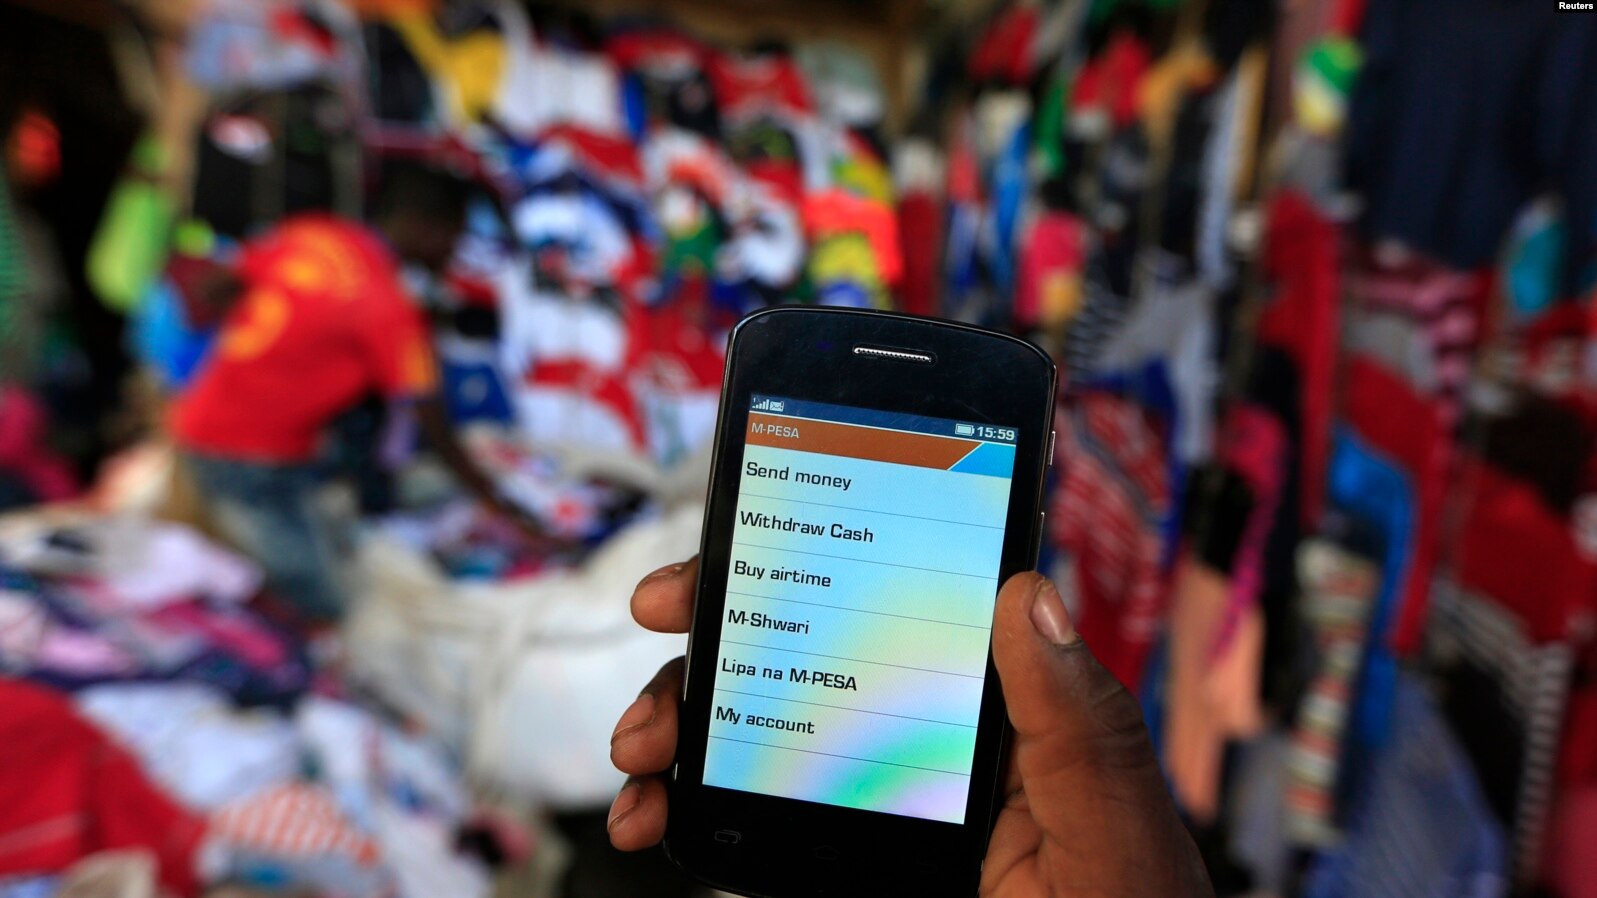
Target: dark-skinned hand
{"x":1088,"y":812}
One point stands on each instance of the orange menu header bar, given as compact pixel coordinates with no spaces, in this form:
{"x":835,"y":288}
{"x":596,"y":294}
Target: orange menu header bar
{"x":853,"y":441}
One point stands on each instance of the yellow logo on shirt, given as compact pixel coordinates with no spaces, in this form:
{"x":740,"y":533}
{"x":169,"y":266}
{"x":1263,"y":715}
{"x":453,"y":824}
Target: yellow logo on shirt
{"x":259,"y":323}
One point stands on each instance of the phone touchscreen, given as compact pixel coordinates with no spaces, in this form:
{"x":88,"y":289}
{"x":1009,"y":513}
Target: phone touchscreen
{"x":859,"y":605}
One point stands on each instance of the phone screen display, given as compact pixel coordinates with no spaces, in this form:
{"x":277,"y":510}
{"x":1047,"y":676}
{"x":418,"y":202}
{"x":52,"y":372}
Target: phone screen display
{"x":859,"y":605}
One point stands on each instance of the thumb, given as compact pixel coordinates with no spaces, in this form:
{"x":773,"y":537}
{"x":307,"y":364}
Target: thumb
{"x":1086,"y":765}
{"x":1059,"y":696}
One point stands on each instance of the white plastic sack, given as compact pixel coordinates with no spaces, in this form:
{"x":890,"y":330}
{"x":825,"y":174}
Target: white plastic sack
{"x":525,"y":678}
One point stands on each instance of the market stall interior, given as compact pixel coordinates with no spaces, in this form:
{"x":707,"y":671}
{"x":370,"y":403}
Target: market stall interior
{"x":358,"y":356}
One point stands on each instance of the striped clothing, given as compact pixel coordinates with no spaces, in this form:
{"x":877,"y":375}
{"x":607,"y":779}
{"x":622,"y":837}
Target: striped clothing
{"x":1339,"y":593}
{"x":1534,"y":678}
{"x":1445,"y":305}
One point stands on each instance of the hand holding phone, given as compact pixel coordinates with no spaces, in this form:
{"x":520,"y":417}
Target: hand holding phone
{"x":841,"y":728}
{"x":1087,"y":811}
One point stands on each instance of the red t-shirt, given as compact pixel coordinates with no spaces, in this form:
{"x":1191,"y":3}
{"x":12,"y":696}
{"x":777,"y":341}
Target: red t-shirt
{"x":324,"y":321}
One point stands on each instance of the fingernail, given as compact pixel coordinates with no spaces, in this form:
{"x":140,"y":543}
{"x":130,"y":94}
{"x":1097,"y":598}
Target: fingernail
{"x":1049,"y":617}
{"x":670,"y":570}
{"x":626,"y":802}
{"x":639,"y":714}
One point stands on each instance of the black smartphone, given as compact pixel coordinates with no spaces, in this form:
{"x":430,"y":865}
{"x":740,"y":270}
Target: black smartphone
{"x":876,"y":478}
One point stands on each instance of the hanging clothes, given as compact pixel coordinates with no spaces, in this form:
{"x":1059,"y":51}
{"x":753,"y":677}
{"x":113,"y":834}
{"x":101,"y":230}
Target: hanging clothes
{"x":1110,"y":508}
{"x":247,"y":45}
{"x":1339,"y":596}
{"x":919,"y":173}
{"x":1368,"y":486}
{"x":1301,"y":258}
{"x":1444,"y":136}
{"x":1445,"y":306}
{"x":765,"y":104}
{"x":1421,"y":828}
{"x":854,"y":253}
{"x":673,"y":69}
{"x":545,"y":85}
{"x":1504,"y":696}
{"x":469,"y":67}
{"x":1411,"y":431}
{"x":1049,"y":291}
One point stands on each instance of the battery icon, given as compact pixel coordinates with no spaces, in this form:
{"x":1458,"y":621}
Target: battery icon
{"x":964,"y":430}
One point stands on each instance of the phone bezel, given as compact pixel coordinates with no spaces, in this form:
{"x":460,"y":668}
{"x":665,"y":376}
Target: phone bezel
{"x":789,"y":847}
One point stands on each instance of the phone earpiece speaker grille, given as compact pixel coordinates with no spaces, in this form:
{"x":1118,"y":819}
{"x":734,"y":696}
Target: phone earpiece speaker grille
{"x":897,"y":355}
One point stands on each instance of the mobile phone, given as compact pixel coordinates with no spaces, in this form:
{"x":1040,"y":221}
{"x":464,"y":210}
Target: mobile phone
{"x":876,"y":478}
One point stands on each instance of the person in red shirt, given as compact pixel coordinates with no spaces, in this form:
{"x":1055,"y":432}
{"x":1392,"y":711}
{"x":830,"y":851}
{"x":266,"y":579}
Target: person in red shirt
{"x":319,"y":320}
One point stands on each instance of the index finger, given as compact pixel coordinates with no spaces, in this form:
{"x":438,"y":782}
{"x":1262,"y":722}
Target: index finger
{"x":663,"y":601}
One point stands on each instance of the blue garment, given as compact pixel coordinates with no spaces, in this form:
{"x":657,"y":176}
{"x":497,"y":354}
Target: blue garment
{"x":1465,"y":109}
{"x":961,"y":262}
{"x":473,"y":386}
{"x":542,"y":168}
{"x":635,"y":107}
{"x":1011,"y":185}
{"x":1421,"y":828}
{"x":1368,"y":486}
{"x":163,"y":338}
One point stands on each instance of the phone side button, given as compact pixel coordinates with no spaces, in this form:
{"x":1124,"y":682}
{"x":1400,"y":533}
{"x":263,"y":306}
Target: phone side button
{"x":1053,"y":435}
{"x":827,"y":853}
{"x":728,"y":836}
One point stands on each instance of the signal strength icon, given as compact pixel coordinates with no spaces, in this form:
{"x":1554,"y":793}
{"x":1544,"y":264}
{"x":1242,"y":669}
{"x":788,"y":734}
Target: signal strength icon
{"x":769,"y":405}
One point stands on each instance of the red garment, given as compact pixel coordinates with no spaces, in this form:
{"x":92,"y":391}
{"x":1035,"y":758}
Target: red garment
{"x":1347,"y":18}
{"x":607,"y":157}
{"x":292,"y":27}
{"x":1111,"y":81}
{"x":66,"y":792}
{"x":1300,"y":256}
{"x":1108,"y":510}
{"x":1051,"y":257}
{"x":649,"y":48}
{"x":920,"y":235}
{"x":784,"y":179}
{"x":1577,"y":761}
{"x":1571,"y":865}
{"x":670,"y":346}
{"x":24,"y":454}
{"x":836,"y":211}
{"x":1411,"y":430}
{"x":747,"y":86}
{"x":324,"y":321}
{"x":1517,"y":551}
{"x":1005,"y":50}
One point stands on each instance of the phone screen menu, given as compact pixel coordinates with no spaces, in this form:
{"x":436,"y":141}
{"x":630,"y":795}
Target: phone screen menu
{"x":859,"y":607}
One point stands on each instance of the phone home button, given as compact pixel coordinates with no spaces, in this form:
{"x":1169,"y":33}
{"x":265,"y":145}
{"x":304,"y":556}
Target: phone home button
{"x":827,"y":853}
{"x":728,"y":836}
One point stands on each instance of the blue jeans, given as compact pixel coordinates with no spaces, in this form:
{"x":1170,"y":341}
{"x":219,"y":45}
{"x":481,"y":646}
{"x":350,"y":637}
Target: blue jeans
{"x":271,"y":513}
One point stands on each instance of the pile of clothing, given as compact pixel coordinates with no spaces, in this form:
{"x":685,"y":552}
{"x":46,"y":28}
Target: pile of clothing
{"x":154,"y":721}
{"x":647,"y":189}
